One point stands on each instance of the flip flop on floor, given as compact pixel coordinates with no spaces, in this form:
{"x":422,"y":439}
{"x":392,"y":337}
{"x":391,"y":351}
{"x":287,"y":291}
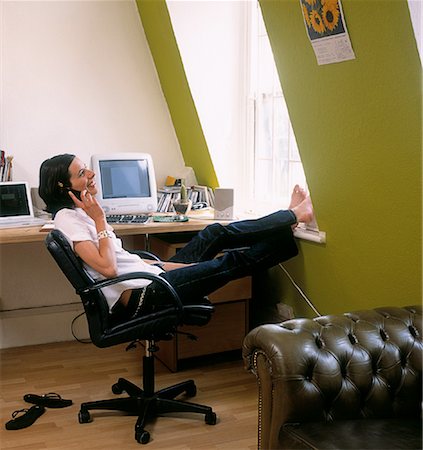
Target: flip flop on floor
{"x":26,"y":419}
{"x":50,"y":400}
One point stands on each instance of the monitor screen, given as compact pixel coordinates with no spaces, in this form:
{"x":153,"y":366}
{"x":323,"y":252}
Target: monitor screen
{"x":126,"y":182}
{"x":13,"y":200}
{"x":124,"y":178}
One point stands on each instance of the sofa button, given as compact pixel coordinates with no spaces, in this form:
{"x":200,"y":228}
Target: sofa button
{"x":353,"y":338}
{"x":413,"y":330}
{"x":383,"y":334}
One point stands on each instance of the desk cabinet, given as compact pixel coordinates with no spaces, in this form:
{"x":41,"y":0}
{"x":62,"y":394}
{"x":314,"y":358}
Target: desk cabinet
{"x":229,"y":322}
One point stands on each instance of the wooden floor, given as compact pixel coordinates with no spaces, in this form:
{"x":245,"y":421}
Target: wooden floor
{"x":82,"y":372}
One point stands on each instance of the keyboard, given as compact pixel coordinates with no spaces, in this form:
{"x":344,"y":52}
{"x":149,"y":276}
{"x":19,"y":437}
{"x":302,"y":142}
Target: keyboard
{"x":127,"y":218}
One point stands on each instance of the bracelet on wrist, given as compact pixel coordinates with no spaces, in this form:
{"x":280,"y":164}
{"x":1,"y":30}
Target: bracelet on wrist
{"x":104,"y":234}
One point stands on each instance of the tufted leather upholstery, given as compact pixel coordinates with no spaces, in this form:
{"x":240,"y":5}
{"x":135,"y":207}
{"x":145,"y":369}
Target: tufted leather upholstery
{"x":359,"y":365}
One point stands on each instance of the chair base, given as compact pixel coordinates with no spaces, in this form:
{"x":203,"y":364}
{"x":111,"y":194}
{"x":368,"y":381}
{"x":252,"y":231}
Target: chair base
{"x":148,"y":406}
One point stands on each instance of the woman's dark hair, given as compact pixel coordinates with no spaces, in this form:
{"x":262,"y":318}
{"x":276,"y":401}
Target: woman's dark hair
{"x":55,"y":183}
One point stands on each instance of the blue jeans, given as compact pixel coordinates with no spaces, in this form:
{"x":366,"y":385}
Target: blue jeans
{"x":265,"y":242}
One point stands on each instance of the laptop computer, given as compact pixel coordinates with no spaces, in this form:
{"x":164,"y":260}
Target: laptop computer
{"x":16,"y":209}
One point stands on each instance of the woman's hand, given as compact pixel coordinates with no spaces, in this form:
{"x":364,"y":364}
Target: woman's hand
{"x":89,"y":204}
{"x":101,"y":257}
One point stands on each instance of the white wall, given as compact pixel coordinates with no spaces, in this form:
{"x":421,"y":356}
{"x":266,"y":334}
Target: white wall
{"x":78,"y":77}
{"x":209,"y":36}
{"x":416,"y":13}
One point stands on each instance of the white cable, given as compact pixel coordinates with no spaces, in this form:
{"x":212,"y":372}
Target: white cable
{"x":299,"y":290}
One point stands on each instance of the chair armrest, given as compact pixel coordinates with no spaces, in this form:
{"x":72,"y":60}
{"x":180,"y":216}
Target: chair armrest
{"x":133,"y":276}
{"x":146,"y":255}
{"x":275,"y":355}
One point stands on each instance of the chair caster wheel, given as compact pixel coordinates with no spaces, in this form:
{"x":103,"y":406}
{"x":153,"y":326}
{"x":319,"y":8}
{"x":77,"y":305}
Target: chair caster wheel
{"x":84,"y":417}
{"x":142,"y":437}
{"x":191,"y":391}
{"x":211,"y":418}
{"x":116,"y":389}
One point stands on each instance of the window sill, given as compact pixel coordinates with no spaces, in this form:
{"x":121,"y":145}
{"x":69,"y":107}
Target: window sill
{"x":310,"y":234}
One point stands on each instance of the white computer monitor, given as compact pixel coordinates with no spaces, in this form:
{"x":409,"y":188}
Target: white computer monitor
{"x":126,"y":182}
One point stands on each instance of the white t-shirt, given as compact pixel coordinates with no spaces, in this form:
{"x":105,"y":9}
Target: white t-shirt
{"x":77,"y":226}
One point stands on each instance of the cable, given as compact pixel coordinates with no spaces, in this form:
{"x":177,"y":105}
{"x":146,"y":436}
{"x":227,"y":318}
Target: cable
{"x":299,"y":290}
{"x":30,"y":308}
{"x":82,"y":341}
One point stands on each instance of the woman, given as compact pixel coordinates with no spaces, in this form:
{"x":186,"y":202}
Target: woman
{"x":68,"y":188}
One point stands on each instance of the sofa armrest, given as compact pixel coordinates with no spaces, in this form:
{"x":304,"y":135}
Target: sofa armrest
{"x":356,"y":365}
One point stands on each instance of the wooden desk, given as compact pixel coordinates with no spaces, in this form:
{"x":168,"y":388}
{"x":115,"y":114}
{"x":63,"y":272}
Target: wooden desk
{"x":33,"y":234}
{"x":225,"y":331}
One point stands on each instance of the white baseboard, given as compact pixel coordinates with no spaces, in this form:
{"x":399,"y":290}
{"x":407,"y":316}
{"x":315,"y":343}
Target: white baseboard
{"x":31,"y":326}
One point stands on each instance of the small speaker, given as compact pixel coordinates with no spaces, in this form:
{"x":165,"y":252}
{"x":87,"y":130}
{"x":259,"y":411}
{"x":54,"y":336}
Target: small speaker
{"x":223,"y":204}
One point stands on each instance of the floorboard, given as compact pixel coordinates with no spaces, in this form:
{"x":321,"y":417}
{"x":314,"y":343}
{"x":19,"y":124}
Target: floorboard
{"x":82,"y":372}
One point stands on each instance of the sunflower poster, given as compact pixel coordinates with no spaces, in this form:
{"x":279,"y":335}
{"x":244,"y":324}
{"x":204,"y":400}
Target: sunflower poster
{"x":326,"y":29}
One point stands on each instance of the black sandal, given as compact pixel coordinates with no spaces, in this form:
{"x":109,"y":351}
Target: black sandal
{"x":25,"y":420}
{"x":50,"y":400}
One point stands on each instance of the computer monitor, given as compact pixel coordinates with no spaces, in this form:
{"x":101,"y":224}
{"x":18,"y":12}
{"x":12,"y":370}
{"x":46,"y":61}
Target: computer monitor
{"x":126,"y":183}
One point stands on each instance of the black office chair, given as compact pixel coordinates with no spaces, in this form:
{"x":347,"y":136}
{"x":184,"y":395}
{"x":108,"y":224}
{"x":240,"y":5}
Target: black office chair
{"x":105,"y":331}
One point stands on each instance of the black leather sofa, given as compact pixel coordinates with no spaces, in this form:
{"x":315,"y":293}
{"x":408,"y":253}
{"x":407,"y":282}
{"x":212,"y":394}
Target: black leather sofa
{"x":351,"y":381}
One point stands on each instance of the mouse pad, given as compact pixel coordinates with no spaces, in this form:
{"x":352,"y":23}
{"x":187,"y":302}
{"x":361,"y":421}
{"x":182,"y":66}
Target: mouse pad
{"x":178,"y":218}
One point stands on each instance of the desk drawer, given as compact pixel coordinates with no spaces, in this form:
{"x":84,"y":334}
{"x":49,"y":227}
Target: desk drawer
{"x":224,"y":332}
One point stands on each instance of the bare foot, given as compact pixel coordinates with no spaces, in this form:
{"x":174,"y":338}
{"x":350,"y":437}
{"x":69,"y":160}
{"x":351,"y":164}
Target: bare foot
{"x":304,"y":211}
{"x":298,"y":195}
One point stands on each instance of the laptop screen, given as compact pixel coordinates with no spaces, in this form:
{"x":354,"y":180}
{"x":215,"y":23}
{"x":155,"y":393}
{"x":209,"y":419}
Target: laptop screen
{"x":14,"y":200}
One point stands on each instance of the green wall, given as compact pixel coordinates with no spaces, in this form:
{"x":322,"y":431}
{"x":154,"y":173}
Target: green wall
{"x":159,"y":32}
{"x":358,"y":125}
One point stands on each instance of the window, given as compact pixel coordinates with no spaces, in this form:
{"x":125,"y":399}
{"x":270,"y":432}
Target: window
{"x":275,"y":162}
{"x":231,"y":72}
{"x":233,"y":80}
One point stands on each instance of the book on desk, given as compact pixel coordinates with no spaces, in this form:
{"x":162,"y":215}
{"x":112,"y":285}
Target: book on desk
{"x":196,"y":193}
